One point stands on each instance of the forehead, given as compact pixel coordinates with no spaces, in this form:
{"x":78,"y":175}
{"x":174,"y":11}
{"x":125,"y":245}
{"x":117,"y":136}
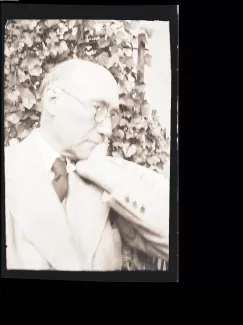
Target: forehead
{"x":94,"y":85}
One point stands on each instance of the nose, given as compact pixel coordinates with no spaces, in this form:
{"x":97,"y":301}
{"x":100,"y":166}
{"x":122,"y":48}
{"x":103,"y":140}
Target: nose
{"x":105,"y":127}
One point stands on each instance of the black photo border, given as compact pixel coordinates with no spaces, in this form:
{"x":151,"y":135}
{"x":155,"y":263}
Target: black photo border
{"x":136,"y":12}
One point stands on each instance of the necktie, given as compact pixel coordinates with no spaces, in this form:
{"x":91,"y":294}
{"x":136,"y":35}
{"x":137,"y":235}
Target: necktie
{"x":60,"y":181}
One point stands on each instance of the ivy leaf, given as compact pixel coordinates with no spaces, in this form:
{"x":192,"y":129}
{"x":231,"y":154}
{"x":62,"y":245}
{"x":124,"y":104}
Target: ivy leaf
{"x":15,"y":117}
{"x":117,"y":143}
{"x":72,"y":23}
{"x":36,"y":71}
{"x":153,"y":160}
{"x":122,"y":59}
{"x":112,"y":61}
{"x":145,"y":109}
{"x":154,"y":113}
{"x":116,"y":72}
{"x":131,"y":151}
{"x":22,"y":131}
{"x":164,"y":156}
{"x":117,"y":154}
{"x":123,"y":122}
{"x":28,"y":39}
{"x":6,"y":51}
{"x":119,"y":134}
{"x":16,"y":31}
{"x":156,"y":132}
{"x":89,"y":24}
{"x":140,"y":87}
{"x":38,"y":106}
{"x":24,"y":24}
{"x":127,"y":114}
{"x":33,"y":24}
{"x":6,"y":124}
{"x":148,"y":60}
{"x":32,"y":61}
{"x":140,"y":125}
{"x":103,"y":59}
{"x":129,"y":62}
{"x":11,"y":80}
{"x":138,"y":159}
{"x":125,"y":86}
{"x":28,"y":99}
{"x":15,"y":60}
{"x":50,"y":23}
{"x":74,"y":31}
{"x":127,"y":26}
{"x":114,"y":50}
{"x":52,"y":38}
{"x":103,"y":43}
{"x":125,"y":148}
{"x":63,"y":47}
{"x":67,"y":36}
{"x":149,"y":32}
{"x":120,"y":54}
{"x":24,"y":65}
{"x":109,"y":32}
{"x":13,"y":96}
{"x":10,"y":107}
{"x":48,"y":66}
{"x":129,"y":134}
{"x":127,"y":101}
{"x":54,"y":51}
{"x":144,"y":39}
{"x":120,"y":36}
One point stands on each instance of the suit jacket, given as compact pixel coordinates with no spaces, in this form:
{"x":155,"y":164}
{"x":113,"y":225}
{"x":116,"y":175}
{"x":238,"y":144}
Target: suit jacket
{"x":41,"y":235}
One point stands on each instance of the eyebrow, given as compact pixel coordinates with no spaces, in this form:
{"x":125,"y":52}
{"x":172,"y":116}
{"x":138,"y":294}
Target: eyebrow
{"x":100,"y":101}
{"x":104,"y":103}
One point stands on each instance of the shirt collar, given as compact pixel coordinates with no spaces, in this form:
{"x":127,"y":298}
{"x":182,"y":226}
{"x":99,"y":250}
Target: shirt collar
{"x":48,"y":154}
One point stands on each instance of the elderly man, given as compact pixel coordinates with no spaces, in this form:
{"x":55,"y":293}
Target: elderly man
{"x":61,"y":186}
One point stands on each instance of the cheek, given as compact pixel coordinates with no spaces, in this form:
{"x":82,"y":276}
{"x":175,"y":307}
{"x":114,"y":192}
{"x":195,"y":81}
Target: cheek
{"x":73,"y":128}
{"x":72,"y":124}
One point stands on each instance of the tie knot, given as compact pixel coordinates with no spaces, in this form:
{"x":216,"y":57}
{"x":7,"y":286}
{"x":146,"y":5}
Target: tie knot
{"x":59,"y":167}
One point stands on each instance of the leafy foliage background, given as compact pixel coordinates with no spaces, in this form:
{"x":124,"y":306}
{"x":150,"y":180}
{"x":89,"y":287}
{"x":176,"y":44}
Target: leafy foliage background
{"x":33,"y":47}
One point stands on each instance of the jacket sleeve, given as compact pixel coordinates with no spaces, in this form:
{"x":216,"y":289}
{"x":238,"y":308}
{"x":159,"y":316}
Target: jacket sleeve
{"x":142,"y":202}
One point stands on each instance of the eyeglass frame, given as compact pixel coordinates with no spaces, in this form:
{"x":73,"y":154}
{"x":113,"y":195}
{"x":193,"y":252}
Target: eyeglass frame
{"x":83,"y":103}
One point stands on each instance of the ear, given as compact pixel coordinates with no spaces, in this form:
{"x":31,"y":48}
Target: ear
{"x":50,"y":97}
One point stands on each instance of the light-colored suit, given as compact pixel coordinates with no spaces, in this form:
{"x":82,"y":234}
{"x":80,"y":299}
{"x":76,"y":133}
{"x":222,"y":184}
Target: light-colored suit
{"x":41,"y":235}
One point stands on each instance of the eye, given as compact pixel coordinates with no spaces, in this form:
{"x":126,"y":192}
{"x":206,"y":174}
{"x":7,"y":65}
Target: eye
{"x":113,"y":115}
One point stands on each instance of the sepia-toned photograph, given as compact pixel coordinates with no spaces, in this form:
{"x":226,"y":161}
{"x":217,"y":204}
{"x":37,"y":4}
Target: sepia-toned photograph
{"x":87,"y":145}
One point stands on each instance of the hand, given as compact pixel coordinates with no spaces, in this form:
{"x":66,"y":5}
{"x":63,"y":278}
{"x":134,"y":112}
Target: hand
{"x":100,"y":170}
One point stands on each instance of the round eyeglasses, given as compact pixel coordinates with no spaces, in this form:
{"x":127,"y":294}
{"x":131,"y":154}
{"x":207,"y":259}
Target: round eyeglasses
{"x":101,"y":111}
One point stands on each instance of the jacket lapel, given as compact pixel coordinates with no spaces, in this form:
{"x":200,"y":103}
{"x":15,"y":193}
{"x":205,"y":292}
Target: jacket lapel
{"x":37,"y":210}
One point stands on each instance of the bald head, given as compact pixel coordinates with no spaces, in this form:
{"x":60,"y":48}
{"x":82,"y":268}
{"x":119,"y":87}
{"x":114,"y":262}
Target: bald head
{"x":85,"y":78}
{"x":80,"y":106}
